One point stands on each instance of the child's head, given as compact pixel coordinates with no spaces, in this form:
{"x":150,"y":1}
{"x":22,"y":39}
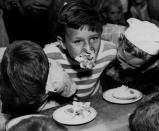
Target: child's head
{"x":24,"y":69}
{"x":112,"y":12}
{"x":37,"y":123}
{"x":146,"y":116}
{"x":80,"y":28}
{"x":138,"y":44}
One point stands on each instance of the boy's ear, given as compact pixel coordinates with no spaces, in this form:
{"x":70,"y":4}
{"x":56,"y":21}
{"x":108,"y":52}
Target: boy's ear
{"x":61,"y":41}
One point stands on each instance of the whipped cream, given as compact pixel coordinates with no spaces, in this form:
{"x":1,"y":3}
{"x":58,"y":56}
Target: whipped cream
{"x":86,"y":60}
{"x":79,"y":109}
{"x":125,"y":93}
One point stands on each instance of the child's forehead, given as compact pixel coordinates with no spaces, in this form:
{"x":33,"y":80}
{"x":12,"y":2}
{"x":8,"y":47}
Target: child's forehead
{"x":84,"y":34}
{"x":81,"y":30}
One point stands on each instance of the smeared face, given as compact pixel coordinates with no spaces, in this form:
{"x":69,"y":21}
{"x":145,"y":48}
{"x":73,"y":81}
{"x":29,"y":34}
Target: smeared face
{"x":130,"y":56}
{"x":82,"y":43}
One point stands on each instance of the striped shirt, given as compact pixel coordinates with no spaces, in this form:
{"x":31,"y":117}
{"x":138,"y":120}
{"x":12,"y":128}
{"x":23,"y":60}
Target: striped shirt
{"x":88,"y":81}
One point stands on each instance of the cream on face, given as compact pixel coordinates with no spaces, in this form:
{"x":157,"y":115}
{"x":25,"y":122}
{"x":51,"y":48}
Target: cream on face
{"x":87,"y":60}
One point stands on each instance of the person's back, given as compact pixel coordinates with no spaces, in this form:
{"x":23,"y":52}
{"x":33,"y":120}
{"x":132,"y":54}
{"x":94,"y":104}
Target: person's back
{"x":24,"y":70}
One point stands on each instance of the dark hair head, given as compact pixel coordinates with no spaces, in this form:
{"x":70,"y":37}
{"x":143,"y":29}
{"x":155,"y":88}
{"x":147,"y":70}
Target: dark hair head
{"x":146,"y":115}
{"x":76,"y":15}
{"x":24,"y":69}
{"x":38,"y":124}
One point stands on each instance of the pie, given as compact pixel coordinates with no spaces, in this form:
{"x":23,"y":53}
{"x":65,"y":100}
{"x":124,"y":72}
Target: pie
{"x":125,"y":93}
{"x":79,"y":109}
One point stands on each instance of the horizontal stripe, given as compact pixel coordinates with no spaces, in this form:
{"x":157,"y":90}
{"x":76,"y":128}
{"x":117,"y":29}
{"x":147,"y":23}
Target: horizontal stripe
{"x":80,"y":87}
{"x":108,"y":45}
{"x":87,"y":78}
{"x":107,"y":53}
{"x":90,"y":90}
{"x":75,"y":68}
{"x":86,"y":82}
{"x":107,"y":58}
{"x":85,"y":73}
{"x":84,"y":95}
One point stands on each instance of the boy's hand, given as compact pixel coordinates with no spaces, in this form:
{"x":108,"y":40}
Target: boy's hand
{"x":59,"y":81}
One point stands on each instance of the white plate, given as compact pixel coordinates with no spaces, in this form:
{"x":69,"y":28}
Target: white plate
{"x":61,"y":116}
{"x":15,"y":121}
{"x":108,"y":95}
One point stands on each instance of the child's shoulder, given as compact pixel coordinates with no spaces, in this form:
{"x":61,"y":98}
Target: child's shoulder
{"x":52,"y":47}
{"x":108,"y":45}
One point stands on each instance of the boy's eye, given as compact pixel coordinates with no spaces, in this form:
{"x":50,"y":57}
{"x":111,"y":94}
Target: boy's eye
{"x":94,"y":39}
{"x":77,"y":42}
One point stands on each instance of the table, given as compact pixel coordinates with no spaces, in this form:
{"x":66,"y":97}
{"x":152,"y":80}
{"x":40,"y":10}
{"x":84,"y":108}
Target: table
{"x":110,"y":117}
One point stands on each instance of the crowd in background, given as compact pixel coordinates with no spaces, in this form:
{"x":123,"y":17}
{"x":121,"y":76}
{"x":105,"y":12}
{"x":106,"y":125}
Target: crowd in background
{"x":36,"y":20}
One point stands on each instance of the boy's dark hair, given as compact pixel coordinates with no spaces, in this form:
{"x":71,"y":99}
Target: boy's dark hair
{"x":77,"y":14}
{"x":24,"y":69}
{"x":146,"y":116}
{"x":38,"y":124}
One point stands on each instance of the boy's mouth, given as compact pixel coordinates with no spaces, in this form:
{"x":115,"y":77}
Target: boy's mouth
{"x":86,"y":60}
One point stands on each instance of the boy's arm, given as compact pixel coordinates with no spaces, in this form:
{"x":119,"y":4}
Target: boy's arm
{"x":59,"y":81}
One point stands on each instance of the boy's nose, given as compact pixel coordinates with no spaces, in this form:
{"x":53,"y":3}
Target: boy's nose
{"x":87,"y":47}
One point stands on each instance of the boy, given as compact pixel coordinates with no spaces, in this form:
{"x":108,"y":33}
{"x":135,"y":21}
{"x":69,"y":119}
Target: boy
{"x":79,"y":48}
{"x":28,"y":79}
{"x":136,"y":64}
{"x":145,"y":116}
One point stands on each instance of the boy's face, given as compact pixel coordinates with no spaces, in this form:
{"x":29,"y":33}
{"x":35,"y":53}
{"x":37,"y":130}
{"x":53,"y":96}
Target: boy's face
{"x":130,"y":56}
{"x":82,"y":40}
